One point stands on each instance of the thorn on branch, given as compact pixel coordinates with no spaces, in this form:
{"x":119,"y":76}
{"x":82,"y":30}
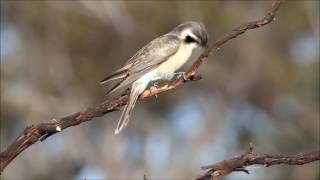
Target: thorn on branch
{"x":242,"y":169}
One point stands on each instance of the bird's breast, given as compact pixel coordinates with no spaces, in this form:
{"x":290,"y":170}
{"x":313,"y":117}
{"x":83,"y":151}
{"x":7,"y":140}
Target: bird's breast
{"x":166,"y":69}
{"x":177,"y":60}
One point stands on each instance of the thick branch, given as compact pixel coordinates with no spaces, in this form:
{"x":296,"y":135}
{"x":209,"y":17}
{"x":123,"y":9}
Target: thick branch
{"x":239,"y":163}
{"x":41,"y":131}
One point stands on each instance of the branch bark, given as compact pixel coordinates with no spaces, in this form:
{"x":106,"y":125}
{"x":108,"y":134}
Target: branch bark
{"x":239,"y":163}
{"x":41,"y":131}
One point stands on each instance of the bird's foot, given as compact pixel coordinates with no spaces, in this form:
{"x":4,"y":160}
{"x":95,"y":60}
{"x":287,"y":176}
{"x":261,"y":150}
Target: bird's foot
{"x":154,"y":86}
{"x":182,"y":74}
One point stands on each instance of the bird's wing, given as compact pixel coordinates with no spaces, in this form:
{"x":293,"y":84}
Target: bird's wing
{"x":120,"y":73}
{"x":146,"y":59}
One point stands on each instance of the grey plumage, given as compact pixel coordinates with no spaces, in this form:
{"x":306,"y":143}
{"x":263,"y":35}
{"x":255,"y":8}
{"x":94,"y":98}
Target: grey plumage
{"x":133,"y":97}
{"x":157,"y":60}
{"x":145,"y":60}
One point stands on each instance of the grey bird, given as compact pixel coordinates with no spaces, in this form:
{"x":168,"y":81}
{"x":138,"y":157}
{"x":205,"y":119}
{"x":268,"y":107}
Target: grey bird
{"x":158,"y":60}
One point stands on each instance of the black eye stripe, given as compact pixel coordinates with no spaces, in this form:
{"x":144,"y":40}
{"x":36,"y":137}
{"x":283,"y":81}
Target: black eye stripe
{"x":190,"y":39}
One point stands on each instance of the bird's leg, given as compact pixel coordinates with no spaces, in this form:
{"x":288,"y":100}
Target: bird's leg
{"x":182,"y":74}
{"x":155,"y":85}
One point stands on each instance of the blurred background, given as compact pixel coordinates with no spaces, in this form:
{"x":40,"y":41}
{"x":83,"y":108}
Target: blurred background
{"x":262,"y":87}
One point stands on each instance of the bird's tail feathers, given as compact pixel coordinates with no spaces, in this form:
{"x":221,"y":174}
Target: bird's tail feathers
{"x":125,"y":116}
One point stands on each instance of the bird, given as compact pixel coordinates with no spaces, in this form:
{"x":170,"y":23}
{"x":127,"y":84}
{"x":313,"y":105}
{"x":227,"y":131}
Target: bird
{"x":157,"y":61}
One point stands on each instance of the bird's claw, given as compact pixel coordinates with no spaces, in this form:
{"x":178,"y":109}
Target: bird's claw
{"x":154,"y":86}
{"x":182,"y":74}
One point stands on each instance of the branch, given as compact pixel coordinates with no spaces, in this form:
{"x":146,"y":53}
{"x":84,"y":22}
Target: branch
{"x":239,"y":163}
{"x":42,"y":131}
{"x":268,"y":18}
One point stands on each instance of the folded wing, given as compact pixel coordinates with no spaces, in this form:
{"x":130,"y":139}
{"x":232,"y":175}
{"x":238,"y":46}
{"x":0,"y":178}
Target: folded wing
{"x":145,"y":60}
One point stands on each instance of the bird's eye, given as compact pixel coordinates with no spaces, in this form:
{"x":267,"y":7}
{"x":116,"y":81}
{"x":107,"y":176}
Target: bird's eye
{"x":190,"y":39}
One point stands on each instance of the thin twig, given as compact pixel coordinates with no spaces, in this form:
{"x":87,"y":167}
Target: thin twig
{"x":41,"y":131}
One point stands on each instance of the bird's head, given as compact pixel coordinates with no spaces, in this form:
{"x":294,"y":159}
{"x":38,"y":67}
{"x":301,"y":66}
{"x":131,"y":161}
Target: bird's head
{"x":192,"y":33}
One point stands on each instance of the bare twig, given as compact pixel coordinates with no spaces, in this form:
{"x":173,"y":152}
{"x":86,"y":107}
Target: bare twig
{"x":42,"y":131}
{"x":239,"y":163}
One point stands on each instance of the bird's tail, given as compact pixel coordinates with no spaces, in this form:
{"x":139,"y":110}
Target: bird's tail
{"x":136,"y":89}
